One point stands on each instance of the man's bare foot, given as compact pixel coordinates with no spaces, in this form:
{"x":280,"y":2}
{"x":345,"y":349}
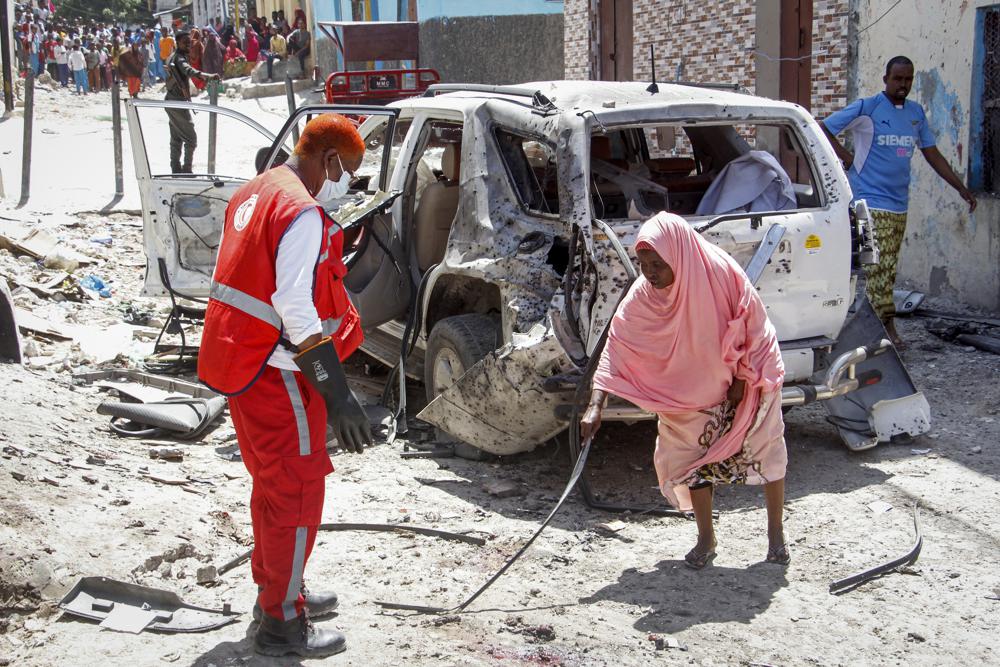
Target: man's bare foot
{"x":890,"y":328}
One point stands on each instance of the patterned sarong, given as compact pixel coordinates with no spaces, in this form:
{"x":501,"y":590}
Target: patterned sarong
{"x":889,"y":230}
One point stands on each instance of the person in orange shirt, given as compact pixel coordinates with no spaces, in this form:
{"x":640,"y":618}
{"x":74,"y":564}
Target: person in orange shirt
{"x":167,"y":44}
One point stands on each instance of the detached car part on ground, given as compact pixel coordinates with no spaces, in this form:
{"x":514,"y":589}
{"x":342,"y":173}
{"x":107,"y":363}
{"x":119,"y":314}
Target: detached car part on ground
{"x":492,"y":274}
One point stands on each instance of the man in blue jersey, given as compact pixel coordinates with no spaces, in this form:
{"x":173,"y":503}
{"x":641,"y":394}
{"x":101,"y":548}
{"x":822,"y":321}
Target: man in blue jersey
{"x":886,"y":128}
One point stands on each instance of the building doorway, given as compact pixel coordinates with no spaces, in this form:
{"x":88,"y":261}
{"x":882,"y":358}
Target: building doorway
{"x":614,"y":24}
{"x":795,"y":70}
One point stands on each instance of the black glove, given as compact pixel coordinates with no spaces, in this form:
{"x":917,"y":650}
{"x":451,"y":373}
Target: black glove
{"x":321,"y":367}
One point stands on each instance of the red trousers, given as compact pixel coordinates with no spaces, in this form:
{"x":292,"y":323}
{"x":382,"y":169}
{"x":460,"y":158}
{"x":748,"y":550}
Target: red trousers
{"x":281,"y":428}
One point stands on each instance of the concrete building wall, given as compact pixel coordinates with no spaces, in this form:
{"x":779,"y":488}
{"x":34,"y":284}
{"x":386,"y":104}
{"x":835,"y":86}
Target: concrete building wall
{"x":494,"y":49}
{"x":947,"y":250}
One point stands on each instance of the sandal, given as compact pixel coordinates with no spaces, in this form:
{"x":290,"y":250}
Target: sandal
{"x":697,"y":561}
{"x":779,"y":555}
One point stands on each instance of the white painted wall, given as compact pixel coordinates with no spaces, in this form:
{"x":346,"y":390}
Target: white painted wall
{"x":947,"y":251}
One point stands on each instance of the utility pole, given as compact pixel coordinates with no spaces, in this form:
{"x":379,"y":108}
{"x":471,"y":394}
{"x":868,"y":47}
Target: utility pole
{"x":6,"y":51}
{"x":236,"y":19}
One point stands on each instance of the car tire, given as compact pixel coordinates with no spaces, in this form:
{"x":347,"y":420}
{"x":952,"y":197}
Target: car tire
{"x":455,"y":345}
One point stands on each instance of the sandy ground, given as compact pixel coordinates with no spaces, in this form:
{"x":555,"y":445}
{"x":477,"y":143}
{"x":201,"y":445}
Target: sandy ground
{"x":581,"y":596}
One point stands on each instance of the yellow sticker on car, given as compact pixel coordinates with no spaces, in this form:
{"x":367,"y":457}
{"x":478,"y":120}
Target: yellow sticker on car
{"x":813,"y":244}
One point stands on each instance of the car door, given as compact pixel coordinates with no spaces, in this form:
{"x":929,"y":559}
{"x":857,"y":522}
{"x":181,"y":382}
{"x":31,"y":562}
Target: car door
{"x":378,"y":279}
{"x":183,"y":213}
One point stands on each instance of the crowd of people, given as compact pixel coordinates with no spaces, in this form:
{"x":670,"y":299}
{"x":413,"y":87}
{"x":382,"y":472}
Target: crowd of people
{"x":89,"y":55}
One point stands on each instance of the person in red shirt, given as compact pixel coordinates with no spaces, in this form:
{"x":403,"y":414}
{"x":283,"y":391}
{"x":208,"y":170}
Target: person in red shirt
{"x":277,"y":326}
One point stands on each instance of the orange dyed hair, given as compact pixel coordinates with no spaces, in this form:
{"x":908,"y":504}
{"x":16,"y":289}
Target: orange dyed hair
{"x":330,"y":130}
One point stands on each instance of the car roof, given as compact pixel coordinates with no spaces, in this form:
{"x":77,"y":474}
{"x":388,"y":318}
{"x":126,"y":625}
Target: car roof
{"x":599,"y":96}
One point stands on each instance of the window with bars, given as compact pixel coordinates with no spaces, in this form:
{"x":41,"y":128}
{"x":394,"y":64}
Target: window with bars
{"x":984,"y":158}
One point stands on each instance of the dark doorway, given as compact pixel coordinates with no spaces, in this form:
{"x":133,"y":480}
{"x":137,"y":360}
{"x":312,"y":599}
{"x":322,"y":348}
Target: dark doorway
{"x":615,"y":36}
{"x":795,"y":70}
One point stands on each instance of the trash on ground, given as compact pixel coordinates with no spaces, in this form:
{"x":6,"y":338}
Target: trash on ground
{"x":28,"y":321}
{"x":184,"y":418}
{"x":166,"y":453}
{"x":611,"y":526}
{"x":102,"y":344}
{"x":907,"y":301}
{"x":920,"y":452}
{"x":92,"y":283}
{"x":503,"y":488}
{"x":40,"y":245}
{"x":229,"y":452}
{"x":980,"y":342}
{"x":97,"y":598}
{"x":126,"y":618}
{"x":879,"y":507}
{"x":661,"y":643}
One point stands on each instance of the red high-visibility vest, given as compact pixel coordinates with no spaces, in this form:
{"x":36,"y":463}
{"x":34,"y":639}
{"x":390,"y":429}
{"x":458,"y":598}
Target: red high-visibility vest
{"x":242,"y":328}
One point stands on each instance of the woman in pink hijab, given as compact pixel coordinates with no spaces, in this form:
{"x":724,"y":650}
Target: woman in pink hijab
{"x":691,"y":341}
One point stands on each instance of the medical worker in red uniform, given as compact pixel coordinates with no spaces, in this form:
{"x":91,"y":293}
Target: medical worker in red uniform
{"x":278,"y":324}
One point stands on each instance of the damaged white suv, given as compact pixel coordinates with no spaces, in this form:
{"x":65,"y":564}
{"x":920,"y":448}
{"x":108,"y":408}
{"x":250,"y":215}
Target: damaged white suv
{"x":491,"y":231}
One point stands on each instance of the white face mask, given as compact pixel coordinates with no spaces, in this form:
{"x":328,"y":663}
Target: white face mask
{"x":335,"y":189}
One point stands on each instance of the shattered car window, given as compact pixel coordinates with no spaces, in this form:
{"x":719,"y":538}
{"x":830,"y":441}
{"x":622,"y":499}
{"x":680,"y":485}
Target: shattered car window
{"x":697,"y":169}
{"x":531,"y":165}
{"x":236,"y":145}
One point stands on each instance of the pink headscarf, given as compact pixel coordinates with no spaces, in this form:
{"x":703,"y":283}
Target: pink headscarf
{"x":678,"y":349}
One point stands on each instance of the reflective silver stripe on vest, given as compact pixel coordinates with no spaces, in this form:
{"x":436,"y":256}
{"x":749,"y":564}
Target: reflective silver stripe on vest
{"x":333,"y":230}
{"x":250,"y":305}
{"x":331,"y":325}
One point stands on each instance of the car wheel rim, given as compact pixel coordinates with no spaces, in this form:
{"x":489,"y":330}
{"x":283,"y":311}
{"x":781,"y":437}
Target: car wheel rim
{"x":447,"y":368}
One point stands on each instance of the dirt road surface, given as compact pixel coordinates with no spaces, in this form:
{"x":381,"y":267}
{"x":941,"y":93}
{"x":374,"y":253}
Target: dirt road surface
{"x":76,"y":501}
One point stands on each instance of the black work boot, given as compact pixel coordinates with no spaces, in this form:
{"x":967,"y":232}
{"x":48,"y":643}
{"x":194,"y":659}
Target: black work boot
{"x":318,"y":604}
{"x":297,"y":636}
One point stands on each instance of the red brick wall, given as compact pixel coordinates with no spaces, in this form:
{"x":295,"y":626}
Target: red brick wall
{"x":830,"y":59}
{"x":713,"y":42}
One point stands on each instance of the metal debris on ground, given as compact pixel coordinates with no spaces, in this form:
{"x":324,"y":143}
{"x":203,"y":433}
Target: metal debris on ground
{"x":183,"y":418}
{"x":97,"y":598}
{"x":169,"y":384}
{"x":850,"y":583}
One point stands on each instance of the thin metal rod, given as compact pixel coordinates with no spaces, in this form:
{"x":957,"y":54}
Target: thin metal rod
{"x":850,"y":583}
{"x":290,"y":95}
{"x":116,"y":132}
{"x":7,"y":71}
{"x":29,"y":112}
{"x":213,"y":99}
